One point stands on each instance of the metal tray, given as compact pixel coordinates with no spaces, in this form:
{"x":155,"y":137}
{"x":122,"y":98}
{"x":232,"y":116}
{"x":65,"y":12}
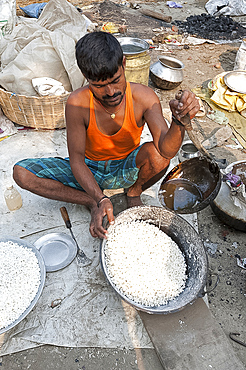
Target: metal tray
{"x":236,"y":81}
{"x":41,"y":285}
{"x":58,"y":250}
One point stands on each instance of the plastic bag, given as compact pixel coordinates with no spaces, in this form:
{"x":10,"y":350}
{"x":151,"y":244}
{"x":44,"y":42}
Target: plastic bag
{"x":240,"y":61}
{"x":7,"y":16}
{"x":33,"y":10}
{"x":226,"y":7}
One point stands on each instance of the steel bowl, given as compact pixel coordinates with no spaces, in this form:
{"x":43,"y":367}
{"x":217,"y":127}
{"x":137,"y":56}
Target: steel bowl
{"x":167,"y":72}
{"x":25,"y":244}
{"x":187,"y":151}
{"x":133,"y":46}
{"x":190,"y":245}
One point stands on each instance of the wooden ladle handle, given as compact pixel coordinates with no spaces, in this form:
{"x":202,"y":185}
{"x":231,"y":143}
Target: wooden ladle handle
{"x":65,"y":217}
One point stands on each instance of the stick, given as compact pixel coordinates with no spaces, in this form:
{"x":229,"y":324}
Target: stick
{"x":156,"y":15}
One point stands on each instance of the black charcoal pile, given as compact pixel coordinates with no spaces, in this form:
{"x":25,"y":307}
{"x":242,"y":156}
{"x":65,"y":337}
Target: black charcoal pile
{"x":212,"y":28}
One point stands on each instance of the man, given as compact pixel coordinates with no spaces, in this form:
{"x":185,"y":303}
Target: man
{"x":104,"y":122}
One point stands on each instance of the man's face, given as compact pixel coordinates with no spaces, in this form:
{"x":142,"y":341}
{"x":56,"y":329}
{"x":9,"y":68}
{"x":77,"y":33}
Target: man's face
{"x":111,"y":91}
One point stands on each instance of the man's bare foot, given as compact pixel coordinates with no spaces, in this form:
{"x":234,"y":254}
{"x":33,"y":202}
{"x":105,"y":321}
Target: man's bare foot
{"x":133,"y":201}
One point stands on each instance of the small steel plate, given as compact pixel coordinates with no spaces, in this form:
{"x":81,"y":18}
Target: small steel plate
{"x":25,"y":244}
{"x":58,"y":250}
{"x":236,"y":81}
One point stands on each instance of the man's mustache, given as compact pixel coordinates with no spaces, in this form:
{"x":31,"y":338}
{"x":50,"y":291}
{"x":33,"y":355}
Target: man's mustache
{"x":107,"y":97}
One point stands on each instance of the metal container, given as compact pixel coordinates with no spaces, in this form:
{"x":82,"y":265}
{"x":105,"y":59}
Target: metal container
{"x":189,"y":243}
{"x":137,"y":59}
{"x":167,"y":72}
{"x":223,"y":205}
{"x":236,"y":81}
{"x":25,"y":244}
{"x":132,"y":45}
{"x":188,"y":150}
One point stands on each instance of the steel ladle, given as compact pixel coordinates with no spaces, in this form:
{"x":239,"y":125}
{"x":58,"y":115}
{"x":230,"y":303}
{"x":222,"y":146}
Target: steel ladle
{"x":202,"y":173}
{"x":191,"y":133}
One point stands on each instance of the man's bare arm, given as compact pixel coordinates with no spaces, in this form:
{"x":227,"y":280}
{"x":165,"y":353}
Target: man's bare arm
{"x":76,"y":116}
{"x":167,"y":141}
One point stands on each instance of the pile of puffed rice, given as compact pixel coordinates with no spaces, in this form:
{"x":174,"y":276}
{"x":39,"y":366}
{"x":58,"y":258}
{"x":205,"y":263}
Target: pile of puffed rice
{"x":19,"y":280}
{"x":144,"y":263}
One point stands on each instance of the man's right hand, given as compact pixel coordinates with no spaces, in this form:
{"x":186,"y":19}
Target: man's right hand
{"x":97,"y":214}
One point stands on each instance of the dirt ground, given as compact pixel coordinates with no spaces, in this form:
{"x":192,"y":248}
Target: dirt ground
{"x":228,"y":300}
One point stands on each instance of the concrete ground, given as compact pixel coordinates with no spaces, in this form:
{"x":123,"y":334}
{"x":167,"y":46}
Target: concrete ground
{"x":57,"y":358}
{"x":227,"y":301}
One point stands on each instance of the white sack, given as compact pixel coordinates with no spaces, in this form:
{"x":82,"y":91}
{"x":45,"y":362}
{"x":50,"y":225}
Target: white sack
{"x":59,"y":13}
{"x":226,"y":7}
{"x":37,"y":59}
{"x":43,"y":48}
{"x":11,"y":45}
{"x":7,"y":16}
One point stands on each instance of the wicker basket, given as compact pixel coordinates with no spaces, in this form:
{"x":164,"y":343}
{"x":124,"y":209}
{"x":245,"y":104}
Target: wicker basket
{"x":45,"y":112}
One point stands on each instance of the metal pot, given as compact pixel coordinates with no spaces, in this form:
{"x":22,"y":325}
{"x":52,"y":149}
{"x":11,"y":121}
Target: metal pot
{"x":167,"y":73}
{"x":223,"y":205}
{"x":189,"y":243}
{"x":187,"y":151}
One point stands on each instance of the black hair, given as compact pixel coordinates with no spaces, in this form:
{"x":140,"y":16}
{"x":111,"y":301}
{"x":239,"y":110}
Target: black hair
{"x":99,"y":55}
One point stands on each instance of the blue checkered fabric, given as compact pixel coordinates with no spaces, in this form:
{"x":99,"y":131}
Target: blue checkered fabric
{"x":117,"y":173}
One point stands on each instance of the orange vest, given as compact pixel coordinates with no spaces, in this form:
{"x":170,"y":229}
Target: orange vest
{"x":101,"y":147}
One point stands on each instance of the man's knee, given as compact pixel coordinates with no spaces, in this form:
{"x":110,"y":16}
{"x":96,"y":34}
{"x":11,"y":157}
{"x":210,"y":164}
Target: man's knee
{"x":21,"y":175}
{"x":150,"y":154}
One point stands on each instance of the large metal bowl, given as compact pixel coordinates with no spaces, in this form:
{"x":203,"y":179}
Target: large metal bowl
{"x":167,"y":72}
{"x":189,"y":243}
{"x":25,"y":244}
{"x":133,"y":46}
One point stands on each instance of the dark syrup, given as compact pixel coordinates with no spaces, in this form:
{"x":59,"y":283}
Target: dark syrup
{"x":180,"y":194}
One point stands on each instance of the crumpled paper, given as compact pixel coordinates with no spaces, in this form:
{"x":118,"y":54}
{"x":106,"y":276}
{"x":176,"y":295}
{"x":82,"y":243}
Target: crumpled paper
{"x":46,"y":86}
{"x":241,"y":262}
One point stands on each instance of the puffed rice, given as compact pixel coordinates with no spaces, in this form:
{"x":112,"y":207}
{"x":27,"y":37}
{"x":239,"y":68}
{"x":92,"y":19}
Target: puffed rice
{"x":19,"y":280}
{"x":144,"y":263}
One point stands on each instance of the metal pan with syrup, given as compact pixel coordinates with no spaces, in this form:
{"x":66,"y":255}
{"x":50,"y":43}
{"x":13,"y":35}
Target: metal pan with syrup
{"x":180,"y":195}
{"x":190,"y":186}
